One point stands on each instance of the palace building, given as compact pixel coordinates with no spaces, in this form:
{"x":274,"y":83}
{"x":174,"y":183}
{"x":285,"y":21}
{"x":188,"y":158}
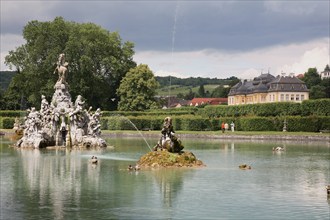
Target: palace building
{"x":267,"y":88}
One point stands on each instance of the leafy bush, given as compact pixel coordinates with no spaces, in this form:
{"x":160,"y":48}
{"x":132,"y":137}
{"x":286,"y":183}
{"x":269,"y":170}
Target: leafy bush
{"x":320,"y":107}
{"x":7,"y":123}
{"x":308,"y":124}
{"x":10,"y":113}
{"x":257,"y":124}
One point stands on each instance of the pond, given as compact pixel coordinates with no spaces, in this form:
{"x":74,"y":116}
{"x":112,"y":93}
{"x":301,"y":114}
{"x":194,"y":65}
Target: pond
{"x":62,"y":184}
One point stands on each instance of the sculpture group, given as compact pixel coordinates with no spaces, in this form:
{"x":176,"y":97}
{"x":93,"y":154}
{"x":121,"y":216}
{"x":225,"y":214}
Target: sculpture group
{"x":62,"y":123}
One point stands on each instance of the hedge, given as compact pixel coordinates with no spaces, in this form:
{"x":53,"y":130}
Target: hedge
{"x":132,"y":123}
{"x":318,"y":107}
{"x":12,"y":113}
{"x":7,"y":122}
{"x":257,"y":124}
{"x":198,"y":123}
{"x":310,"y":116}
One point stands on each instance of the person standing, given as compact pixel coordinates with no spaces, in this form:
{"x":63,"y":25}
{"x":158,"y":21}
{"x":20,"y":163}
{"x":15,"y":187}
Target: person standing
{"x":232,"y":126}
{"x":223,"y":127}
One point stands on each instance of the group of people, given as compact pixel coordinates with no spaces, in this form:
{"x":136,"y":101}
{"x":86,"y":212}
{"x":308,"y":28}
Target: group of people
{"x":225,"y":126}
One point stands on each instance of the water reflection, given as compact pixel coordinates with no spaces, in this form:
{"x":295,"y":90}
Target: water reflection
{"x":52,"y":177}
{"x":170,"y":183}
{"x":60,"y":184}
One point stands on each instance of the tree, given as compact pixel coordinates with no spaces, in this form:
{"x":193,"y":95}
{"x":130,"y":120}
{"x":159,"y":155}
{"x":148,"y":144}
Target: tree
{"x":190,"y":95}
{"x":138,"y":89}
{"x":221,"y":92}
{"x":98,"y":60}
{"x":233,"y":81}
{"x":317,"y":92}
{"x":326,"y":83}
{"x":201,"y":91}
{"x":311,"y":78}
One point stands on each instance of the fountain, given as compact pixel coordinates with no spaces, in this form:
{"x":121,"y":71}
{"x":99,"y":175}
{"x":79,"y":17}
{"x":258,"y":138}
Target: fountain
{"x":62,"y":123}
{"x":168,"y":151}
{"x":134,"y":126}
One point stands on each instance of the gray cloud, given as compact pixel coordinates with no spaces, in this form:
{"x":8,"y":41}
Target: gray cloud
{"x":220,"y":25}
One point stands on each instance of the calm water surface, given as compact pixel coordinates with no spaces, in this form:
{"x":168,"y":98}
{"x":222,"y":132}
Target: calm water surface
{"x":59,"y":184}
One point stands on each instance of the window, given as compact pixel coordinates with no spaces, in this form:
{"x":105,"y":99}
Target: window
{"x":287,"y":97}
{"x":292,"y":97}
{"x":297,"y":97}
{"x":282,"y":97}
{"x":302,"y":97}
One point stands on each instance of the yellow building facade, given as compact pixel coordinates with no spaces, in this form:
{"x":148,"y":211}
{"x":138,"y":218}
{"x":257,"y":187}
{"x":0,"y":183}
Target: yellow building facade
{"x":267,"y":88}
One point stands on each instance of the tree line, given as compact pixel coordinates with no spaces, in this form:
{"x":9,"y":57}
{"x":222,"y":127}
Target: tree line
{"x":164,"y":81}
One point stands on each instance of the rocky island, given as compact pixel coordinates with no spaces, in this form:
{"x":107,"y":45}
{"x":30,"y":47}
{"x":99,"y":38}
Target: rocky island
{"x":169,"y":151}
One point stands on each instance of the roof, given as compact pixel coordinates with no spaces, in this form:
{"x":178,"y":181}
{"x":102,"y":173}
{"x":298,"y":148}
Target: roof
{"x":268,"y":83}
{"x":210,"y":101}
{"x":260,"y":88}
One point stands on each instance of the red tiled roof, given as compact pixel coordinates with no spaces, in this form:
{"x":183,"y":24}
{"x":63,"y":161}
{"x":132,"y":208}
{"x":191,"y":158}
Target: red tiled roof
{"x":301,"y":75}
{"x":210,"y":101}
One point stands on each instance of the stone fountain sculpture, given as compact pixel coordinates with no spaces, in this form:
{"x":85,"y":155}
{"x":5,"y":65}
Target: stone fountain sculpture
{"x":169,"y":140}
{"x":62,"y":123}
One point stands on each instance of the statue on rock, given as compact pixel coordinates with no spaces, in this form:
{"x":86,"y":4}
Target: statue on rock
{"x":168,"y":151}
{"x":168,"y":139}
{"x":61,"y":68}
{"x":61,"y":123}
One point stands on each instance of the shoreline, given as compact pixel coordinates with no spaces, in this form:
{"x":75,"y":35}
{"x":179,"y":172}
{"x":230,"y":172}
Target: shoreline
{"x":252,"y":136}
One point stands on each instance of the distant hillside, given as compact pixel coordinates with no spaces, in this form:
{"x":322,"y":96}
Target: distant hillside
{"x":177,"y":89}
{"x":5,"y":78}
{"x":177,"y":86}
{"x":165,"y":81}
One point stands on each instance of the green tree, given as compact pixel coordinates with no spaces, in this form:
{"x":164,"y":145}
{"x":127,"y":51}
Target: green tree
{"x":201,"y":91}
{"x":311,"y":78}
{"x":138,"y":89}
{"x":98,"y":60}
{"x":220,"y":92}
{"x":190,"y":95}
{"x":317,"y":92}
{"x":233,"y":81}
{"x":326,"y":84}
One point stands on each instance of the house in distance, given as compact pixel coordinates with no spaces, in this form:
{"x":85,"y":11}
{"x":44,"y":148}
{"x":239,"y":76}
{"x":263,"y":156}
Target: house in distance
{"x":267,"y":88}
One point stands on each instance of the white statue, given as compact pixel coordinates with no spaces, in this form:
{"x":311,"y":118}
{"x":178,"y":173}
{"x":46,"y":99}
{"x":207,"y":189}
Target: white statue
{"x":61,"y":68}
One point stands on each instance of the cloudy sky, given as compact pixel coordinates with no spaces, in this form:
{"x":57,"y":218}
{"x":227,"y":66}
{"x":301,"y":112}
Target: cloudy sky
{"x":195,"y":38}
